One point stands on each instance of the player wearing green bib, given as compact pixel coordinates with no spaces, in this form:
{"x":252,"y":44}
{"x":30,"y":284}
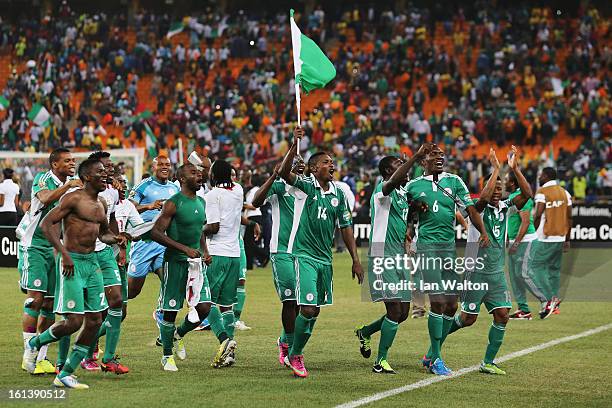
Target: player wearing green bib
{"x":282,"y":198}
{"x":486,"y":281}
{"x":521,"y":232}
{"x":389,"y":215}
{"x":80,"y":288}
{"x":36,"y":261}
{"x":436,"y":196}
{"x":324,"y":207}
{"x":179,"y":228}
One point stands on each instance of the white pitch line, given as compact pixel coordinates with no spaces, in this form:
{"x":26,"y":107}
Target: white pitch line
{"x":466,"y":370}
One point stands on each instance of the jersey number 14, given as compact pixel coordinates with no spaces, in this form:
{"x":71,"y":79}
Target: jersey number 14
{"x":322,"y":213}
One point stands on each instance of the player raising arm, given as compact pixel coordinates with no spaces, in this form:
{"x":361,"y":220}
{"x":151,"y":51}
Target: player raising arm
{"x":324,"y":208}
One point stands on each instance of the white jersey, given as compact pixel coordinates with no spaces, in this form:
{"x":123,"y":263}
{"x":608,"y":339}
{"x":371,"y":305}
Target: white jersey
{"x":224,"y":206}
{"x":111,"y":198}
{"x":127,"y":215}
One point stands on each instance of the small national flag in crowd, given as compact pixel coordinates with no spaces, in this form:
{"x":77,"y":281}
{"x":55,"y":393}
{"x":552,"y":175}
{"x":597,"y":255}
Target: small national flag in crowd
{"x":175,"y":28}
{"x":4,"y":103}
{"x":151,"y":141}
{"x":39,"y":115}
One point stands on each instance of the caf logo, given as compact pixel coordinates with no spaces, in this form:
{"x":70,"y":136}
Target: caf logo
{"x":287,"y":292}
{"x":70,"y":304}
{"x":334,"y":202}
{"x":37,"y":283}
{"x":310,"y":297}
{"x":172,"y":302}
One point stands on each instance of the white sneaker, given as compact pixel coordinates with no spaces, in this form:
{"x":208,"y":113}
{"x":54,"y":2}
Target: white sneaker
{"x":239,"y":325}
{"x":168,"y":363}
{"x":69,"y":381}
{"x":28,"y":362}
{"x":229,"y":360}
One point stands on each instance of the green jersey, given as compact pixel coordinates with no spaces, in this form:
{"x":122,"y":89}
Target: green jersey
{"x":283,"y":198}
{"x":514,"y":219}
{"x":437,"y":224}
{"x":187,"y":224}
{"x":494,"y":220}
{"x":29,"y":229}
{"x":389,"y":215}
{"x":318,"y":212}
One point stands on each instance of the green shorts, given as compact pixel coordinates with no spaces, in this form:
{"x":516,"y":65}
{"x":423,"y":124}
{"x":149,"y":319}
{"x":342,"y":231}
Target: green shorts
{"x":283,"y":272}
{"x":38,"y":270}
{"x":83,"y":292}
{"x":388,"y":284}
{"x":110,"y":269}
{"x":223,"y":274}
{"x":436,"y":275}
{"x":314,"y":284}
{"x":488,"y":288}
{"x":243,"y":265}
{"x":173,"y":288}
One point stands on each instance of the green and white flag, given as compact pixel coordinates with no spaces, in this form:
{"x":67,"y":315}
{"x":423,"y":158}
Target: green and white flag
{"x":175,"y":28}
{"x":39,"y":115}
{"x":313,"y":69}
{"x":151,"y":141}
{"x":4,"y":103}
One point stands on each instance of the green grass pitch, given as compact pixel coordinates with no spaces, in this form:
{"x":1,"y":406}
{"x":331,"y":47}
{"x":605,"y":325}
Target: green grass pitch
{"x":572,"y":374}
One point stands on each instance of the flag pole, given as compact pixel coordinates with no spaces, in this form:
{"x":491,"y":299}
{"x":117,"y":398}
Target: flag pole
{"x":295,"y":45}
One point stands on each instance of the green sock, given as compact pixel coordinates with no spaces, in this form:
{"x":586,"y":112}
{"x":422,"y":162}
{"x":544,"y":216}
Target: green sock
{"x":301,"y":335}
{"x":313,"y":320}
{"x":241,"y":295}
{"x":283,"y":336}
{"x":387,"y":334}
{"x":113,"y":330}
{"x":186,"y":327}
{"x":373,"y":327}
{"x":289,"y":337}
{"x":435,"y":327}
{"x":228,"y":323}
{"x":43,"y":338}
{"x":447,"y":322}
{"x":31,"y":312}
{"x":47,"y":314}
{"x":215,"y":321}
{"x":79,"y":351}
{"x":62,"y":350}
{"x":167,"y":336}
{"x":496,"y":336}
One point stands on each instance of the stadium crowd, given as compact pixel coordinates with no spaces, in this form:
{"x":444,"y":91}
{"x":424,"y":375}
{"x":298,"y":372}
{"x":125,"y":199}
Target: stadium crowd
{"x":460,"y":77}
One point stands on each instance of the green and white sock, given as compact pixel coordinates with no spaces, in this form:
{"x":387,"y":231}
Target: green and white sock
{"x":43,"y":338}
{"x":373,"y":327}
{"x":228,"y":322}
{"x":63,"y":348}
{"x":186,"y":326}
{"x":113,"y":330}
{"x":301,"y":335}
{"x":496,"y":337}
{"x":241,"y":297}
{"x":447,"y":323}
{"x":79,"y":351}
{"x":388,"y":330}
{"x":435,"y":326}
{"x":167,"y":336}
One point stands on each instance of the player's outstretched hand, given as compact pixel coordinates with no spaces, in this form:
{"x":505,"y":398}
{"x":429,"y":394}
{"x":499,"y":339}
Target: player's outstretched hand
{"x":122,"y":239}
{"x":357,"y":271}
{"x":420,"y":154}
{"x":493,"y":159}
{"x":513,"y":158}
{"x":484,"y":240}
{"x":68,"y":265}
{"x":207,"y":259}
{"x":192,"y":253}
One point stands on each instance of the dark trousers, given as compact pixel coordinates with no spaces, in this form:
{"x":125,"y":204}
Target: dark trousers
{"x":252,"y":248}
